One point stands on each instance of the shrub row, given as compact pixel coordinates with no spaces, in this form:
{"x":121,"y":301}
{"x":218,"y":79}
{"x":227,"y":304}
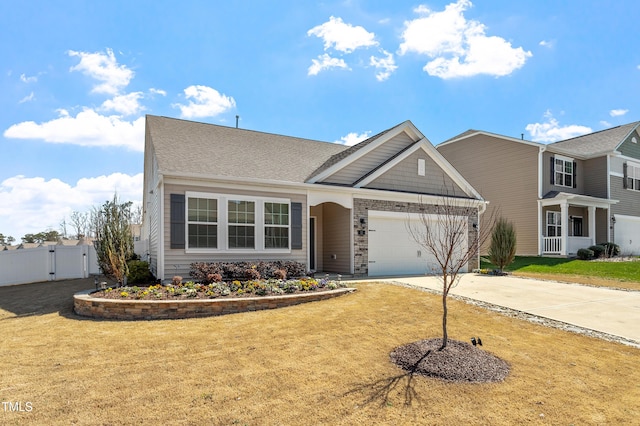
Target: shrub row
{"x":599,"y":250}
{"x":205,"y":272}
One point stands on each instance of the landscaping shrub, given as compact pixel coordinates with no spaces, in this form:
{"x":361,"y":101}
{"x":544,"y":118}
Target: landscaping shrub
{"x":502,"y":250}
{"x":279,"y":269}
{"x":597,"y":250}
{"x":611,"y":249}
{"x":139,"y":272}
{"x":585,"y":254}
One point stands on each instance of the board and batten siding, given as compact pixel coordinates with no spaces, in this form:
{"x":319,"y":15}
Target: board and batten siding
{"x":404,"y":177}
{"x":177,"y":261}
{"x":358,"y":168}
{"x":505,"y":173}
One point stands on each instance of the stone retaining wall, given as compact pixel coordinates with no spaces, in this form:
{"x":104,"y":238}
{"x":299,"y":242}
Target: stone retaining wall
{"x":88,"y":306}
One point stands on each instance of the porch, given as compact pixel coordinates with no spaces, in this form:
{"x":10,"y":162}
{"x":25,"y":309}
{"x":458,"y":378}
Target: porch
{"x":569,"y":222}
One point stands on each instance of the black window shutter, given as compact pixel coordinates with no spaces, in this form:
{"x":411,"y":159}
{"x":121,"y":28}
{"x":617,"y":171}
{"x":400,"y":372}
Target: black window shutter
{"x":553,"y":171}
{"x":625,"y":185}
{"x":575,"y":165}
{"x":296,"y":226}
{"x":177,"y":220}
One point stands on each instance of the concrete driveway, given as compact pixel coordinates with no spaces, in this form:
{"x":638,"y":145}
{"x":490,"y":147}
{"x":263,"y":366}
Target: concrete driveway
{"x":614,"y":312}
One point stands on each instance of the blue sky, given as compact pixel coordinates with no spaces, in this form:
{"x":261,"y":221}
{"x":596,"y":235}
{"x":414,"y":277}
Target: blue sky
{"x":77,"y":78}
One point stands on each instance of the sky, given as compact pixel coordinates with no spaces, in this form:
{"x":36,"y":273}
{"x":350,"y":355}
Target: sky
{"x":78,"y":77}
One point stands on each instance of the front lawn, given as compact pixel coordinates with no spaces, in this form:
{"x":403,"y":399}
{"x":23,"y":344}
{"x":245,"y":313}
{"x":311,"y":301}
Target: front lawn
{"x":612,"y":274}
{"x":318,"y":363}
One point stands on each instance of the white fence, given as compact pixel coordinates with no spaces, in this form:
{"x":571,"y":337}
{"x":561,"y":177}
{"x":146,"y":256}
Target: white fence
{"x":48,"y":263}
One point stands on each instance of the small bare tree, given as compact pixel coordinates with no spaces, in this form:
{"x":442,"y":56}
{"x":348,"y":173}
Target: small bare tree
{"x":79,"y":222}
{"x":451,"y":232}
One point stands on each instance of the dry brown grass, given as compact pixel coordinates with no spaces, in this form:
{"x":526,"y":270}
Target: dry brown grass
{"x":318,"y":363}
{"x":582,"y":279}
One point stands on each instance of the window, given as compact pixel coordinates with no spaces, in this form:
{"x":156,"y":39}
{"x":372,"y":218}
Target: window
{"x":241,"y":219}
{"x":632,"y":176}
{"x":564,"y":172}
{"x":276,"y":229}
{"x":554,"y":224}
{"x":202,"y":217}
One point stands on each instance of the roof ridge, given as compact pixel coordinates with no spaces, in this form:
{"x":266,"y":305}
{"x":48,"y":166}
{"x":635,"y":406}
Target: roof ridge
{"x":595,"y":133}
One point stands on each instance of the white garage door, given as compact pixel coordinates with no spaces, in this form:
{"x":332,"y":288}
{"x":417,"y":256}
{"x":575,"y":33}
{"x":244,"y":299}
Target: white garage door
{"x":392,"y":250}
{"x":627,"y":234}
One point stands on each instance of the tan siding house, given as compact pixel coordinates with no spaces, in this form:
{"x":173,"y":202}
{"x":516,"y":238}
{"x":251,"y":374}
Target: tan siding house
{"x":561,"y":196}
{"x":215,"y":193}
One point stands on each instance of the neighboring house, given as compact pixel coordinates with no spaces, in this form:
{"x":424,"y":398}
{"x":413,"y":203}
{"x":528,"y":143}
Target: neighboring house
{"x":215,"y":193}
{"x":562,"y":196}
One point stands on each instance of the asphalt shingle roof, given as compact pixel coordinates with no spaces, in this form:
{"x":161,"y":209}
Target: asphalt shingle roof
{"x":597,"y":142}
{"x":183,"y":146}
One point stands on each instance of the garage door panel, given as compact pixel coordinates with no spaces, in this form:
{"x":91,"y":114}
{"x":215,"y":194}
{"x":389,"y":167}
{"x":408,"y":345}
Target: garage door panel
{"x":627,"y":234}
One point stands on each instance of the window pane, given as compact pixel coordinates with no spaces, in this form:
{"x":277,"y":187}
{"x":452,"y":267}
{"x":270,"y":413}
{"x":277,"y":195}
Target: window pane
{"x":202,"y":210}
{"x":276,"y":214}
{"x":241,"y":237}
{"x":568,"y":167}
{"x":568,"y":180}
{"x":241,"y":211}
{"x":559,"y":179}
{"x":276,"y":237}
{"x":551,"y":231}
{"x":203,"y":236}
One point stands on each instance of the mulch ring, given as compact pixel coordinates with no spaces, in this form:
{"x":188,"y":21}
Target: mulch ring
{"x":458,"y":362}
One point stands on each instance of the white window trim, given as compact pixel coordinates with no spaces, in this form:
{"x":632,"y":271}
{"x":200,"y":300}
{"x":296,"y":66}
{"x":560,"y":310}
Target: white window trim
{"x":636,"y":175}
{"x":557,"y":225}
{"x":223,"y":223}
{"x":565,"y":160}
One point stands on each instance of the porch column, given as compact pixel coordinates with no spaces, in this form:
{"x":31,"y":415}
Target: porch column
{"x":564,"y":219}
{"x":592,"y":224}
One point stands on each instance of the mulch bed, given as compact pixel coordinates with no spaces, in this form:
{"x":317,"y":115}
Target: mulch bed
{"x":458,"y":362}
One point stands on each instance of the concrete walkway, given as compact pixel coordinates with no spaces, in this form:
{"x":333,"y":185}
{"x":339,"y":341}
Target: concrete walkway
{"x":614,"y":312}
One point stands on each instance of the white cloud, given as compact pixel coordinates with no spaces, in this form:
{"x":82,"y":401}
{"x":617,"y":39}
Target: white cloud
{"x":618,"y":112}
{"x":207,"y":102}
{"x":342,"y":37}
{"x":548,"y":43}
{"x":386,"y":65}
{"x":353,"y":138}
{"x":87,"y":128}
{"x":158,"y":92}
{"x":325,"y":62}
{"x":33,"y":204}
{"x":124,"y":104}
{"x":104,"y":68}
{"x":605,"y":123}
{"x":27,"y":80}
{"x":458,"y":47}
{"x":551,"y":131}
{"x":27,"y":98}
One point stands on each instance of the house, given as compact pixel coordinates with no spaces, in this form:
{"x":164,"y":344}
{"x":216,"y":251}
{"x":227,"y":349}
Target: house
{"x":216,"y":193}
{"x":561,"y":196}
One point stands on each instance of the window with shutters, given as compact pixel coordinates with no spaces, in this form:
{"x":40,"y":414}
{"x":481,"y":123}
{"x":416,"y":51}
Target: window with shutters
{"x":220,"y":222}
{"x":564,"y":171}
{"x":632,"y":176}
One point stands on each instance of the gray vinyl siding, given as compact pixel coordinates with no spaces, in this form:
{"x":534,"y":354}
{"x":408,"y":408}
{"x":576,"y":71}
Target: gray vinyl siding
{"x":505,"y":173}
{"x":631,"y":149}
{"x":595,"y":177}
{"x":336,"y":235}
{"x":602,"y":230}
{"x":404,"y":177}
{"x":357,"y":169}
{"x":177,"y":261}
{"x":546,"y":176}
{"x":629,"y":200}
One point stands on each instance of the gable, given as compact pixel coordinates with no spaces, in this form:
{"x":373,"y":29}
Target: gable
{"x":629,"y":148}
{"x":352,"y":172}
{"x":418,"y":173}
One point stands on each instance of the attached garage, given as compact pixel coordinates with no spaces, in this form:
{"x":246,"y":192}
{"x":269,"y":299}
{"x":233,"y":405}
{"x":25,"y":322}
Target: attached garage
{"x":627,"y":234}
{"x":392,"y":249}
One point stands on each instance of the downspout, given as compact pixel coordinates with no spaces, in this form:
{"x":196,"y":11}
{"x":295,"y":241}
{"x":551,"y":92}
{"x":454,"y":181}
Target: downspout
{"x":540,"y":185}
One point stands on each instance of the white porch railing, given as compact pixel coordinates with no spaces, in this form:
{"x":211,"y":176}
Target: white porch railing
{"x":552,"y":245}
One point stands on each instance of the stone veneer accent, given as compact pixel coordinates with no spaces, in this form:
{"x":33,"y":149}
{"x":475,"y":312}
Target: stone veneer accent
{"x":361,"y":208}
{"x":88,"y":306}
